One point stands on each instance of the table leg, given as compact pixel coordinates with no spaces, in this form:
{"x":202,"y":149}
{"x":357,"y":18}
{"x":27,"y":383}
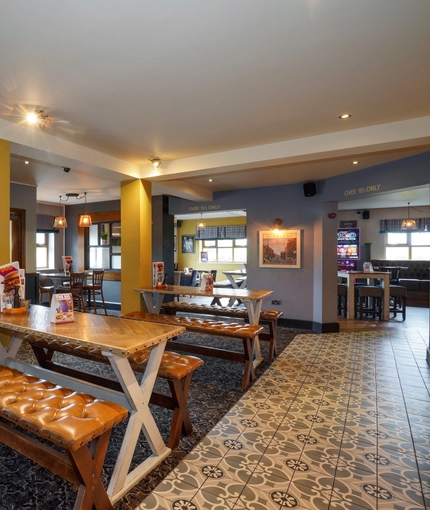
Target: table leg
{"x":147,"y":297}
{"x":141,"y":419}
{"x":11,"y":350}
{"x":350,"y":312}
{"x":254,"y":318}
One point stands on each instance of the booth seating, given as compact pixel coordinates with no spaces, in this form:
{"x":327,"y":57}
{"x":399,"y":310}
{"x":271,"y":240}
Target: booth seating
{"x":177,"y":369}
{"x":245,"y":332}
{"x":65,"y":418}
{"x":414,"y":275}
{"x":270,"y":317}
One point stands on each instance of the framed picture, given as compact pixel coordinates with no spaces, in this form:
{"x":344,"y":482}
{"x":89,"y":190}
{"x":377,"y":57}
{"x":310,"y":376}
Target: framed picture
{"x":204,"y":256}
{"x":280,"y":249}
{"x":188,"y":244}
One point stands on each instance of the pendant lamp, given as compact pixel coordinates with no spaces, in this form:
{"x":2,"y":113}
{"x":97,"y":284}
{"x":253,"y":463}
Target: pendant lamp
{"x":409,"y":223}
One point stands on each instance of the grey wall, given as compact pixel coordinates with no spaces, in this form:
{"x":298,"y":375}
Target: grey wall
{"x":24,"y":197}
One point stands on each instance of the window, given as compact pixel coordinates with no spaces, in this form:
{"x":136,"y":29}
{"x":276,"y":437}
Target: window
{"x":45,"y":244}
{"x":225,"y":250}
{"x":104,"y":245}
{"x":408,"y":246}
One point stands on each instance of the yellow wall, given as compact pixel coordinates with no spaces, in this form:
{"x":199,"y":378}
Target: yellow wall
{"x":188,"y":227}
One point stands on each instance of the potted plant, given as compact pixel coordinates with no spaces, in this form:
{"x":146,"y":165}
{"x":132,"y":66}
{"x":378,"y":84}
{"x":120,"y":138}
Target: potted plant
{"x":104,"y":237}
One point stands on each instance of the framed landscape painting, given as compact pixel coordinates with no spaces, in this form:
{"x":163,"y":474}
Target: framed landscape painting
{"x":280,"y":249}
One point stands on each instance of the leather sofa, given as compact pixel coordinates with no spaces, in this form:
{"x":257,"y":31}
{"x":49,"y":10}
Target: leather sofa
{"x":414,"y":275}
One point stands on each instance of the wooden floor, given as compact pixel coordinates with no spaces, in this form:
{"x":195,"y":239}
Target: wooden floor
{"x":416,"y":318}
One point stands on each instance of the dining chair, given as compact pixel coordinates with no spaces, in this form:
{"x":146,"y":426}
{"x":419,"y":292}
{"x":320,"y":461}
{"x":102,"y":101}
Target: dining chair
{"x":95,"y":288}
{"x":46,"y":286}
{"x":76,"y":288}
{"x":188,"y":280}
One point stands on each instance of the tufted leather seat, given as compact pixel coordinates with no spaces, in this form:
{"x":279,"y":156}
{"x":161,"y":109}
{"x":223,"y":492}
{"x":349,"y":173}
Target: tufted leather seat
{"x":246,"y":332}
{"x":176,"y":368}
{"x":266,"y":316}
{"x":66,"y":418}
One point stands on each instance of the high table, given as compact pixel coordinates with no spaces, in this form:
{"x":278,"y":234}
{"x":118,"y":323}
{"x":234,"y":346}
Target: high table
{"x":253,"y":300}
{"x":117,"y":339}
{"x":351,"y":277}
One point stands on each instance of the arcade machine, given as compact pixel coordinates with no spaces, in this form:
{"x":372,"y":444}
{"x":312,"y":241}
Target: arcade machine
{"x":348,"y":248}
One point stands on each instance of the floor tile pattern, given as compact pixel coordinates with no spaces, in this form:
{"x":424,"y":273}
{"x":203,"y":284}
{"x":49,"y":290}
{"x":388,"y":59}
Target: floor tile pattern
{"x":338,"y":421}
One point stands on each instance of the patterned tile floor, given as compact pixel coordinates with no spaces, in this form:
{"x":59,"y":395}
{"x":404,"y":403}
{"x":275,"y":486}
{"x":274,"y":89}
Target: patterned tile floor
{"x":338,"y":421}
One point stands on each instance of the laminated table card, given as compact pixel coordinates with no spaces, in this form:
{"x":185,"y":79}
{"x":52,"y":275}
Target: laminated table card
{"x":61,"y":309}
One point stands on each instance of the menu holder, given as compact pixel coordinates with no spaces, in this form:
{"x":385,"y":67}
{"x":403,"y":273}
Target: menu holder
{"x":61,"y":311}
{"x":206,"y":282}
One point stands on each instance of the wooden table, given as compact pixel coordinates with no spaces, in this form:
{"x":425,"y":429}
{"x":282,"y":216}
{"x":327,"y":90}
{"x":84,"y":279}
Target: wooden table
{"x":252,"y":299}
{"x":117,"y":339}
{"x":231,"y":277}
{"x":351,"y":277}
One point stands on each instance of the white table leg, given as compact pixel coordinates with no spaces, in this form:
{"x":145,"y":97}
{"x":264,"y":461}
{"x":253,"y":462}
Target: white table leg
{"x":147,"y":296}
{"x":141,"y":419}
{"x":254,"y":318}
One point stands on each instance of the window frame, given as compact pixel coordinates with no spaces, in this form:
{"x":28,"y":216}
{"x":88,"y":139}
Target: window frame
{"x":408,"y":244}
{"x":204,"y":248}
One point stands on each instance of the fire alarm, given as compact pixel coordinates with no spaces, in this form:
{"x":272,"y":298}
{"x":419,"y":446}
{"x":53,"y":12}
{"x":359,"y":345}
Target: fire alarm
{"x":332,"y":215}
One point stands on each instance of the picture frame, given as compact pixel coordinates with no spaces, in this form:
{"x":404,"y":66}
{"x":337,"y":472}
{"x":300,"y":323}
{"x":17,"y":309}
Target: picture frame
{"x":188,"y":244}
{"x":204,"y":256}
{"x":281,"y":250}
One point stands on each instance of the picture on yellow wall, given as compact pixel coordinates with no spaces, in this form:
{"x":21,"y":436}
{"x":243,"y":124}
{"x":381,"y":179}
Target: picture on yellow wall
{"x":188,"y":244}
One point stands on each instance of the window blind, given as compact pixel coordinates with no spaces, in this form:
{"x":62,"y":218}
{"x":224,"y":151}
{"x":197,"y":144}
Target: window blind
{"x":215,"y":233}
{"x":394,"y":225}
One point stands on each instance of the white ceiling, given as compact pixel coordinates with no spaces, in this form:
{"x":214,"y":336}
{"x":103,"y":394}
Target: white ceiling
{"x":245,"y":92}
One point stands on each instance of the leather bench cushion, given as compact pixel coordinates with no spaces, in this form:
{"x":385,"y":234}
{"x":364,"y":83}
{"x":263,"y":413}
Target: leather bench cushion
{"x":203,"y":326}
{"x":65,"y":417}
{"x":425,"y":285}
{"x":410,"y":284}
{"x":172,"y":366}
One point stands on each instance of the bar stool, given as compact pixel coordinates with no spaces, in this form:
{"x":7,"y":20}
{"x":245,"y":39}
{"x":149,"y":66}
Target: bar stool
{"x":369,"y":300}
{"x":95,"y":288}
{"x":398,"y":300}
{"x":342,"y":297}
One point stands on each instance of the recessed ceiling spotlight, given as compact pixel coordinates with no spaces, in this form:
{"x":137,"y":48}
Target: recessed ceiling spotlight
{"x":210,"y":180}
{"x":26,"y":162}
{"x":355,"y":162}
{"x":345,"y":116}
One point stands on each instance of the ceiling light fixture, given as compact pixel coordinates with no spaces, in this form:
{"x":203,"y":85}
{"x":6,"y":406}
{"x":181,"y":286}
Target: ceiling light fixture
{"x":345,"y":116}
{"x":38,"y":118}
{"x":409,"y":223}
{"x":84,"y":219}
{"x":201,"y":223}
{"x":26,"y":162}
{"x":156,"y":162}
{"x":60,"y":221}
{"x":278,"y":223}
{"x":355,"y":162}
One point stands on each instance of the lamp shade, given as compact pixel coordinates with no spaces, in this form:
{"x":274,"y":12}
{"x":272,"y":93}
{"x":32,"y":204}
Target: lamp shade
{"x":409,"y":224}
{"x":60,"y":222}
{"x":85,"y":220}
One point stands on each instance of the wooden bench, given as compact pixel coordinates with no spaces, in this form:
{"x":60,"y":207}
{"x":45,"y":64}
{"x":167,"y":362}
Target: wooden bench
{"x":65,"y":418}
{"x":177,"y":369}
{"x":244,"y":332}
{"x":266,"y":316}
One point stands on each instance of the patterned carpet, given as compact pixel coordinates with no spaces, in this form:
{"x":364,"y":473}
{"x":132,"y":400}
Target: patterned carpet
{"x":215,"y":388}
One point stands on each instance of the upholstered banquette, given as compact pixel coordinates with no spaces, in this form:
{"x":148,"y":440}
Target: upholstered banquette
{"x":414,"y":275}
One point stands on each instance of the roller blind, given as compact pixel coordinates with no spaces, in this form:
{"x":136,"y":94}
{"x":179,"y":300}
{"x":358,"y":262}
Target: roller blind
{"x":227,"y":232}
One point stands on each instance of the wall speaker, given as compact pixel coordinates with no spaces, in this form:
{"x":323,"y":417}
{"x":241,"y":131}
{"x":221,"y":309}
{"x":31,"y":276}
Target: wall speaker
{"x":179,"y":223}
{"x":309,"y":189}
{"x":365,"y":215}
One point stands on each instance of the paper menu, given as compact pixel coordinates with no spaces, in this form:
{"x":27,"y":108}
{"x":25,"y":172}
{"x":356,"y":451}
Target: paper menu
{"x":10,"y":277}
{"x":61,"y":310}
{"x":157,"y":273}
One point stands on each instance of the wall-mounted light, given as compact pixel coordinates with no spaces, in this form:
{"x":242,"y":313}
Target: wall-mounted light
{"x":156,"y":162}
{"x":409,"y":223}
{"x":278,"y":223}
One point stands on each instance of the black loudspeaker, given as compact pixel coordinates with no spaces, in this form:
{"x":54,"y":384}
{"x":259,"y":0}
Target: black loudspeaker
{"x":179,"y":223}
{"x":365,"y":215}
{"x":309,"y":189}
